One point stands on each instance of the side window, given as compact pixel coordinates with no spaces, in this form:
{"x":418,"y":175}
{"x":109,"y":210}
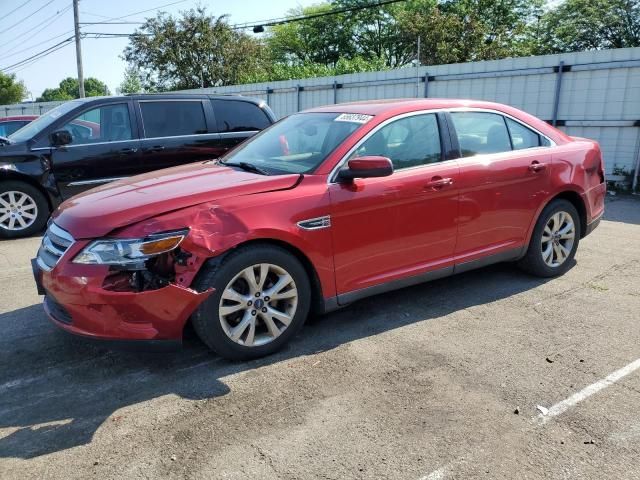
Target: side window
{"x":480,"y":132}
{"x":239,"y":116}
{"x":7,"y":128}
{"x":408,"y":142}
{"x":521,"y":136}
{"x":110,"y":123}
{"x":172,"y":119}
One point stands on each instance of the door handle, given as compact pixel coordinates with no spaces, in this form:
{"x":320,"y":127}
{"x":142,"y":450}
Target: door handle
{"x":156,"y":148}
{"x":437,"y":183}
{"x":128,"y":151}
{"x":537,"y":166}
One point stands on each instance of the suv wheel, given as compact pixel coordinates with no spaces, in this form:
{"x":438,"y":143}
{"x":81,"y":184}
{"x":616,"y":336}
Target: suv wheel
{"x":554,"y":240}
{"x":23,"y":209}
{"x":261,"y":299}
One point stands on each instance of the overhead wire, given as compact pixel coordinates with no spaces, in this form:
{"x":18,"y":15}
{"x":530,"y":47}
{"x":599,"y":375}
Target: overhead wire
{"x":27,"y":17}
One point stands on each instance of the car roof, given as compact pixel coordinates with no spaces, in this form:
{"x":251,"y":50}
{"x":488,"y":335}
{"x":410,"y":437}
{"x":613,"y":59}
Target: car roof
{"x":384,"y":109}
{"x":399,"y":105}
{"x":170,"y":96}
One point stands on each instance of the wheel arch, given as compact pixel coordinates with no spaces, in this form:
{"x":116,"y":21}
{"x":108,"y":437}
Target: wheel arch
{"x":317,"y":298}
{"x":9,"y":175}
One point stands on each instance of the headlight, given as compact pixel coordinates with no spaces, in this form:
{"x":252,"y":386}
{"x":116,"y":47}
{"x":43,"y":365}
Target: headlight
{"x":129,"y":251}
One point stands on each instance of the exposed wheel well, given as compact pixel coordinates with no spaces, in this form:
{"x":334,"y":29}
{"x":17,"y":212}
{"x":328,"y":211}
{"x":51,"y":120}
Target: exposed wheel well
{"x":576,"y":201}
{"x":317,"y":300}
{"x":16,"y":177}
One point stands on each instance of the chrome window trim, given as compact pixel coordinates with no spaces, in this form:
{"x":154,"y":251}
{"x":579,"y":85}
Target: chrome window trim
{"x":239,"y":133}
{"x":73,"y":145}
{"x":179,"y":136}
{"x":498,"y":112}
{"x":334,"y":172}
{"x":94,"y":181}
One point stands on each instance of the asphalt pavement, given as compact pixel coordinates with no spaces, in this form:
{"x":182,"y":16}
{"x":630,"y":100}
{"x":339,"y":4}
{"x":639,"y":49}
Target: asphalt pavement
{"x":489,"y":374}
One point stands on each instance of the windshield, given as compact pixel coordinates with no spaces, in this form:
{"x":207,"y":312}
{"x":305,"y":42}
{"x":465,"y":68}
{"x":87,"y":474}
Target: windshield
{"x":32,"y":129}
{"x":297,"y":144}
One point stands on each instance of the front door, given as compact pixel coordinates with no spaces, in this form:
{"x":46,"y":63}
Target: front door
{"x":394,"y":228}
{"x":504,"y":176}
{"x":104,"y":147}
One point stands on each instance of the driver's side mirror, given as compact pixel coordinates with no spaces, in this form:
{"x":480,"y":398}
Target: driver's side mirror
{"x":60,"y":138}
{"x":366,"y":167}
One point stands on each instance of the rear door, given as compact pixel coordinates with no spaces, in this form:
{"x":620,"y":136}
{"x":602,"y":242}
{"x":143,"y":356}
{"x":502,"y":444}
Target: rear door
{"x":176,"y":132}
{"x":104,"y":147}
{"x":238,"y":120}
{"x":504,"y":175}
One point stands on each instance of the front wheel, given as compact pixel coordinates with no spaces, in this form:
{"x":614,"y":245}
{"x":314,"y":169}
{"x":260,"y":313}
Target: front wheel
{"x":261,"y":299}
{"x":23,"y":209}
{"x":554,"y":240}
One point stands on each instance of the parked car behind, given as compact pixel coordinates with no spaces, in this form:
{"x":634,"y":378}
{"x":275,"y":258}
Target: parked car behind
{"x":325,"y":207}
{"x":92,"y":141}
{"x":9,"y":125}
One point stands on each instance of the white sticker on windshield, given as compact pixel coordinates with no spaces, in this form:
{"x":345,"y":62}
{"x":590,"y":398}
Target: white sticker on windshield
{"x":353,"y":117}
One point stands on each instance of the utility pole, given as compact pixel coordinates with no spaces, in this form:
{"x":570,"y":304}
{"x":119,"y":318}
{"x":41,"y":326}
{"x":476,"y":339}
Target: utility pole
{"x":76,"y":25}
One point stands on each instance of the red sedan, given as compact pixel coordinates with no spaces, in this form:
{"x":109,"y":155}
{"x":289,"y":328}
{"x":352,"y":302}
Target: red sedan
{"x":325,"y":207}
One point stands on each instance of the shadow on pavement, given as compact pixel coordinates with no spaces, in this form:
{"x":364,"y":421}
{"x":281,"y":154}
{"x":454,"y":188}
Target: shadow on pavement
{"x":57,"y":391}
{"x":623,"y":208}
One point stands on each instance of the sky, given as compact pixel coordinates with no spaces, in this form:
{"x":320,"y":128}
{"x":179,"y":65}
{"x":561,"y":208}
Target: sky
{"x":51,"y":21}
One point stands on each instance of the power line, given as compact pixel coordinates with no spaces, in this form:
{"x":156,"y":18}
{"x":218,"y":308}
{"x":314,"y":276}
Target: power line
{"x":283,"y":20}
{"x":28,"y":16}
{"x":47,"y":22}
{"x":18,"y":8}
{"x":43,"y":53}
{"x":28,"y":64}
{"x":136,"y":13}
{"x":265,"y":23}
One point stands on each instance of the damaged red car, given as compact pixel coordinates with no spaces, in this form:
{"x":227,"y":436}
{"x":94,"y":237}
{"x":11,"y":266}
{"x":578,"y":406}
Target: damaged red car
{"x":323,"y":208}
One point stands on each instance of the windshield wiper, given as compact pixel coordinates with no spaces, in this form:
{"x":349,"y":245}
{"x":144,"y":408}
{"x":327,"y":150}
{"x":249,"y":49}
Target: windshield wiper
{"x":5,"y":141}
{"x":249,"y":167}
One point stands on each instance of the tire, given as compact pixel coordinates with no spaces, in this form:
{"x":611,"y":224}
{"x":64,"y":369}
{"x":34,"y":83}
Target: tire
{"x":538,"y":261}
{"x":230,"y":277}
{"x":15,"y":219}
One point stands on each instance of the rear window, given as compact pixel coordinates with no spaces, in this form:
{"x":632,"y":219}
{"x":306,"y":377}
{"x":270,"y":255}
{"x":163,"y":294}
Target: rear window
{"x":172,"y":119}
{"x":239,"y":116}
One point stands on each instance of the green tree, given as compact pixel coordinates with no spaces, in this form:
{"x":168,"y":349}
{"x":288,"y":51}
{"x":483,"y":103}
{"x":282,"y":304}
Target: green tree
{"x":195,"y":50}
{"x":11,"y":89}
{"x":69,"y":89}
{"x":576,"y":25}
{"x":321,"y":40}
{"x":131,"y":83}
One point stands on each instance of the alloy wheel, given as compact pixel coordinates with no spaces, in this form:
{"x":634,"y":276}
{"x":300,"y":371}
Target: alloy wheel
{"x":557,"y":239}
{"x":18,"y":210}
{"x":258,"y":304}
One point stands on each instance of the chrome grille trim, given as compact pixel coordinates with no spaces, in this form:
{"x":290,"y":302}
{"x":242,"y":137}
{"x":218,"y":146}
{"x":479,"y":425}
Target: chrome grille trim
{"x":55,"y":244}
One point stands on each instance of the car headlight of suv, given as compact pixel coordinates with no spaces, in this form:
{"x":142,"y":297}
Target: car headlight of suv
{"x":129,"y":251}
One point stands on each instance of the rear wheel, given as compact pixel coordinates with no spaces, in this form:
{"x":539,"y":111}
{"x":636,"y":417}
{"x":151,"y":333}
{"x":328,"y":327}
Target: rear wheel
{"x":261,"y":299}
{"x":23,"y":209}
{"x":554,"y":240}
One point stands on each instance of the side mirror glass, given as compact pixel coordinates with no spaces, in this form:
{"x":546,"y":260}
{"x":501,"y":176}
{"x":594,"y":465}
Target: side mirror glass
{"x":366,"y":167}
{"x":60,"y":138}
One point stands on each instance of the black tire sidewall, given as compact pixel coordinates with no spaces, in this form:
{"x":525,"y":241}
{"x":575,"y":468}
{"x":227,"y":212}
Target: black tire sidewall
{"x":534,"y":258}
{"x":206,"y":319}
{"x":41,"y":202}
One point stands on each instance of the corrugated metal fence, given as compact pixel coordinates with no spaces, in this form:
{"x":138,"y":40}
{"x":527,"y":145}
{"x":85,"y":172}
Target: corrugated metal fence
{"x":589,"y":94}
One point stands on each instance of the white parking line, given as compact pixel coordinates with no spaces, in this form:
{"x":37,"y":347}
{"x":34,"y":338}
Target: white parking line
{"x":586,"y":392}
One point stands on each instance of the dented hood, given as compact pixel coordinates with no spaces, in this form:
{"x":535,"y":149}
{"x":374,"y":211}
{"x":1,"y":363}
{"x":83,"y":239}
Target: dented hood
{"x":97,"y":212}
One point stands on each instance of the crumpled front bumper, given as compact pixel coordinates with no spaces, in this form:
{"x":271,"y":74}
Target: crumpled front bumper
{"x":76,"y":302}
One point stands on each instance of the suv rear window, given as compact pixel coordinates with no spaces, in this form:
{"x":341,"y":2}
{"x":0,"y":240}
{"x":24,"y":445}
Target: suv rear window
{"x":172,"y":119}
{"x":239,"y":116}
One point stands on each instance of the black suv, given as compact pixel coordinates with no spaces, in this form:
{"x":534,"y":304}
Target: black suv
{"x":88,"y":142}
